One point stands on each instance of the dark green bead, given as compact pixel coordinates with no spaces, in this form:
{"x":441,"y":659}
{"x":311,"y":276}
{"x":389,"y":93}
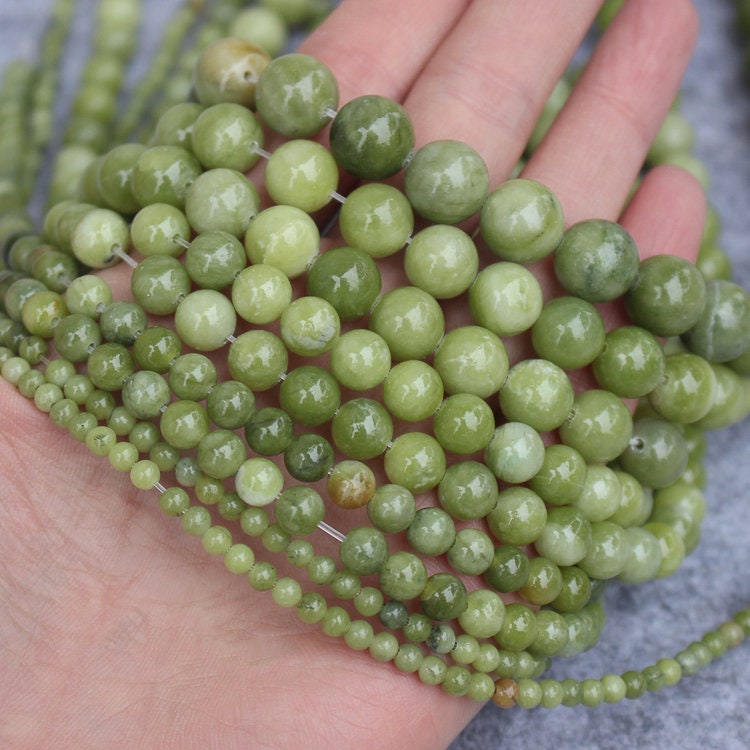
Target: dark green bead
{"x":122,"y":322}
{"x":310,"y":395}
{"x":657,"y":453}
{"x":309,"y":457}
{"x":109,"y":365}
{"x":156,"y":348}
{"x":509,"y":569}
{"x":114,"y":177}
{"x":371,"y":137}
{"x":364,"y":550}
{"x":230,"y":404}
{"x":444,"y":597}
{"x":575,"y":592}
{"x":362,"y":428}
{"x":299,"y":510}
{"x":76,"y":336}
{"x":269,"y":431}
{"x":442,"y":639}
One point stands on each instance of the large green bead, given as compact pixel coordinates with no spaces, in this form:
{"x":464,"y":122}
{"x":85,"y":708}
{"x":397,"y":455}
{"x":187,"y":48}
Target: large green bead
{"x":308,"y":458}
{"x":75,"y":336}
{"x":221,"y":453}
{"x":362,"y":428}
{"x":258,"y":359}
{"x":299,"y":510}
{"x":184,"y":424}
{"x":156,"y":348}
{"x":360,"y":359}
{"x":222,"y":199}
{"x":403,"y":576}
{"x":205,"y":320}
{"x":163,"y":174}
{"x":562,"y":475}
{"x":657,"y":454}
{"x":515,"y":453}
{"x":432,"y":532}
{"x":114,"y":177}
{"x":145,"y":393}
{"x":214,"y":259}
{"x":518,"y":517}
{"x":471,"y":553}
{"x":686,"y":390}
{"x":444,"y":597}
{"x":566,"y":536}
{"x":269,"y":431}
{"x":109,"y":365}
{"x":227,"y":135}
{"x":468,"y":490}
{"x":364,"y":550}
{"x":160,"y":229}
{"x":464,"y":423}
{"x":416,"y":461}
{"x":192,"y":376}
{"x":412,"y":390}
{"x":261,"y":293}
{"x":159,"y":283}
{"x":392,"y":508}
{"x":608,"y":553}
{"x":309,"y":326}
{"x":310,"y":395}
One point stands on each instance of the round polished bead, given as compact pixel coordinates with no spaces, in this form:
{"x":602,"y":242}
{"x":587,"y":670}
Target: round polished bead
{"x":310,"y":395}
{"x":109,"y":365}
{"x":258,"y":359}
{"x":657,"y":454}
{"x":144,"y":394}
{"x":538,"y":393}
{"x":262,"y":26}
{"x":371,"y":137}
{"x":596,"y":260}
{"x":543,"y":583}
{"x":303,"y":174}
{"x":508,"y":570}
{"x":364,"y":550}
{"x":222,"y":199}
{"x":442,"y":261}
{"x":228,"y":136}
{"x":261,"y":293}
{"x":731,"y":403}
{"x":259,"y":481}
{"x":192,"y":376}
{"x":88,"y":295}
{"x":205,"y":320}
{"x":412,"y":391}
{"x":55,"y":269}
{"x":468,"y":490}
{"x":221,"y":453}
{"x":295,"y":95}
{"x":163,"y":174}
{"x":214,"y":259}
{"x":156,"y":348}
{"x":518,"y":517}
{"x":416,"y":461}
{"x":269,"y":431}
{"x":97,"y":236}
{"x":362,"y":428}
{"x":464,"y":424}
{"x":518,"y":630}
{"x":635,"y":501}
{"x":521,"y":221}
{"x":432,"y":532}
{"x":175,"y":125}
{"x":351,"y":484}
{"x":446,"y":181}
{"x":348,"y":279}
{"x":442,"y":639}
{"x":308,"y":458}
{"x":123,"y":322}
{"x":687,"y":388}
{"x":183,"y":424}
{"x":471,"y":359}
{"x":299,"y":510}
{"x":599,"y":426}
{"x":75,"y":336}
{"x":609,"y":551}
{"x":114,"y":177}
{"x":284,"y":237}
{"x":410,"y":321}
{"x":360,"y":359}
{"x":600,"y":495}
{"x":402,"y":576}
{"x":515,"y":453}
{"x":682,"y":506}
{"x":569,"y":332}
{"x":644,"y":557}
{"x":444,"y":597}
{"x":471,"y":553}
{"x":160,"y":229}
{"x":484,"y":614}
{"x":668,"y":295}
{"x":377,"y":219}
{"x":309,"y":326}
{"x":392,"y":508}
{"x":566,"y":536}
{"x":159,"y":283}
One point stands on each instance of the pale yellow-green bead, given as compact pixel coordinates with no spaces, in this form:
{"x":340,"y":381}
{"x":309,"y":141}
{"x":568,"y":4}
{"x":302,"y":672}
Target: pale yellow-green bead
{"x":13,"y":368}
{"x":239,"y":558}
{"x":205,"y":319}
{"x":101,"y":440}
{"x":259,"y":481}
{"x":98,"y":235}
{"x":122,"y":456}
{"x":144,"y":474}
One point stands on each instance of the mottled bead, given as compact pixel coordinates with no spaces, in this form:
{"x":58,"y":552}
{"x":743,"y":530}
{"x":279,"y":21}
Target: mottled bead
{"x":258,"y":359}
{"x":228,"y":136}
{"x":159,"y":283}
{"x":258,"y":481}
{"x":464,"y":424}
{"x":471,"y":553}
{"x":184,"y":424}
{"x":443,"y":597}
{"x":144,"y":394}
{"x":518,"y":517}
{"x":363,"y":551}
{"x":156,"y":348}
{"x":222,"y":199}
{"x":308,"y":458}
{"x":608,"y":553}
{"x":76,"y":336}
{"x":362,"y":428}
{"x":432,"y":532}
{"x":205,"y":320}
{"x":109,"y":365}
{"x":360,"y":359}
{"x":416,"y":461}
{"x":412,"y":390}
{"x":310,"y":395}
{"x":160,"y":229}
{"x":261,"y":293}
{"x":269,"y":431}
{"x":515,"y":453}
{"x":686,"y":390}
{"x":392,"y":508}
{"x":309,"y":326}
{"x":299,"y":510}
{"x":351,"y":484}
{"x":163,"y":174}
{"x":543,"y":583}
{"x":402,"y":576}
{"x":566,"y":536}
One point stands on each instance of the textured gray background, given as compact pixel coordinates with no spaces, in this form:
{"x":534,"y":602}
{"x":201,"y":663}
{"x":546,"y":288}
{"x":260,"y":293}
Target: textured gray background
{"x":709,"y":710}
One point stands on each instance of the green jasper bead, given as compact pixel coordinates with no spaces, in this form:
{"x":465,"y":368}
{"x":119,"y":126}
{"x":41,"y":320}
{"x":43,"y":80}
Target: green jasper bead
{"x":63,"y":412}
{"x":433,"y":670}
{"x":644,"y":557}
{"x":464,"y":424}
{"x":521,"y":221}
{"x":368,"y":601}
{"x":76,"y":336}
{"x":299,"y":510}
{"x":262,"y":576}
{"x":196,"y":520}
{"x":722,"y":332}
{"x":312,"y":608}
{"x":402,"y":576}
{"x":631,"y":362}
{"x":122,"y":322}
{"x":174,"y":501}
{"x":309,"y":326}
{"x":515,"y":453}
{"x":60,"y":371}
{"x":687,"y":388}
{"x":371,"y":137}
{"x":205,"y":320}
{"x":569,"y":332}
{"x":55,"y":270}
{"x":432,"y":532}
{"x":310,"y":395}
{"x":668,"y":295}
{"x":391,"y":509}
{"x":269,"y":431}
{"x":239,"y":559}
{"x":262,"y":26}
{"x":29,"y":382}
{"x":360,"y":359}
{"x":184,"y":424}
{"x":599,"y":426}
{"x":519,"y":629}
{"x":471,"y":359}
{"x":163,"y":174}
{"x":255,"y":521}
{"x":80,"y":426}
{"x":309,"y":458}
{"x":561,"y":476}
{"x":261,"y":293}
{"x":227,"y":136}
{"x":156,"y":348}
{"x":551,"y":635}
{"x":114,"y":173}
{"x":468,"y":490}
{"x":543,"y":583}
{"x":359,"y":636}
{"x":258,"y":359}
{"x":683,"y":506}
{"x":303,"y":174}
{"x":187,"y":472}
{"x":46,"y":396}
{"x":566,"y":536}
{"x":363,"y":551}
{"x":88,"y":295}
{"x":295,"y":95}
{"x":508,"y":570}
{"x":394,"y":615}
{"x":609,"y":551}
{"x":446,"y":181}
{"x":384,"y":647}
{"x":42,"y":312}
{"x":144,"y":436}
{"x":299,"y":552}
{"x":601,"y":494}
{"x":100,"y":403}
{"x":221,"y":453}
{"x":144,"y":394}
{"x":109,"y":365}
{"x":442,"y":639}
{"x":160,"y":229}
{"x":471,"y":553}
{"x":714,"y":263}
{"x":348,"y":279}
{"x":412,"y":390}
{"x":284,"y":237}
{"x":214,"y":259}
{"x":258,"y":481}
{"x":444,"y":597}
{"x":17,"y":293}
{"x":538,"y":393}
{"x":418,"y":627}
{"x":484,"y":614}
{"x":122,"y":455}
{"x":596,"y":260}
{"x":350,"y":484}
{"x":416,"y":461}
{"x":410,"y":321}
{"x":175,"y":125}
{"x":222,"y":199}
{"x":575,"y":593}
{"x":505,"y":298}
{"x":362,"y":428}
{"x":657,"y":453}
{"x":731,"y":400}
{"x":144,"y":474}
{"x":518,"y":517}
{"x":377,"y":219}
{"x":635,"y":501}
{"x":442,"y":261}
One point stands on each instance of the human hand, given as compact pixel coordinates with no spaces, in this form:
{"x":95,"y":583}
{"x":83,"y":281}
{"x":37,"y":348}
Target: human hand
{"x":118,"y":631}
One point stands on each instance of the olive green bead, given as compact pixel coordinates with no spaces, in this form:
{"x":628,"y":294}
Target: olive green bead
{"x":258,"y":359}
{"x":683,"y":506}
{"x":63,"y":411}
{"x":145,"y":393}
{"x":608,"y":553}
{"x":262,"y":26}
{"x":60,"y":371}
{"x":261,"y":293}
{"x":484,"y":614}
{"x":160,"y":229}
{"x":41,"y":312}
{"x":364,"y":550}
{"x":468,"y":490}
{"x":109,"y":365}
{"x":384,"y":647}
{"x":98,"y":236}
{"x":432,"y":532}
{"x":309,"y":458}
{"x":114,"y":177}
{"x":412,"y":390}
{"x":309,"y":326}
{"x":226,"y":136}
{"x":123,"y":322}
{"x":543,"y":583}
{"x":368,"y":601}
{"x":601,"y":494}
{"x":444,"y":597}
{"x":299,"y":510}
{"x":184,"y":423}
{"x":471,"y":553}
{"x":222,"y":199}
{"x":156,"y":348}
{"x":561,"y":476}
{"x":433,"y":670}
{"x":17,"y":293}
{"x":221,"y":453}
{"x":100,"y":403}
{"x":566,"y":536}
{"x":175,"y":125}
{"x":345,"y":585}
{"x":644,"y":557}
{"x":269,"y":431}
{"x":144,"y":474}
{"x":671,"y":544}
{"x":657,"y":453}
{"x":360,"y":359}
{"x":371,"y":137}
{"x":402,"y":576}
{"x":230,"y":404}
{"x":362,"y":428}
{"x":359,"y":636}
{"x":416,"y":461}
{"x":174,"y":501}
{"x":76,"y":336}
{"x":262,"y":576}
{"x":46,"y":396}
{"x":686,"y":390}
{"x":163,"y":174}
{"x":392,"y":508}
{"x":164,"y":455}
{"x":29,"y":382}
{"x":508,"y":570}
{"x":575,"y":593}
{"x":312,"y":607}
{"x":310,"y":395}
{"x":464,"y":424}
{"x":259,"y":481}
{"x":518,"y":517}
{"x":122,"y":455}
{"x":205,"y":320}
{"x":55,"y":269}
{"x":515,"y":453}
{"x":394,"y":616}
{"x":87,"y":295}
{"x":731,"y":402}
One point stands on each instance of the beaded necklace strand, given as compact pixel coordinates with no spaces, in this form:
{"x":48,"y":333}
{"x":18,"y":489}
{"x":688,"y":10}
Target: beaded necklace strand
{"x":332,"y":383}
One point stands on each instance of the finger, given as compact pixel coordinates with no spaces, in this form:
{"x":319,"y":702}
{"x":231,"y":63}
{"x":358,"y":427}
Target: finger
{"x":489,"y":80}
{"x":603,"y":133}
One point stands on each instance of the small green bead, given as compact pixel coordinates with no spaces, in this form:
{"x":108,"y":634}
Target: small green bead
{"x":309,"y":395}
{"x":444,"y":597}
{"x":87,"y":295}
{"x":518,"y":517}
{"x":544,"y":582}
{"x":457,"y":680}
{"x":575,"y":594}
{"x":60,"y":371}
{"x":336,"y":622}
{"x":608,"y":553}
{"x":484,"y":614}
{"x":468,"y":490}
{"x":360,"y":359}
{"x":216,"y":540}
{"x":221,"y":453}
{"x":144,"y":474}
{"x":226,"y":136}
{"x":205,"y":319}
{"x":311,"y":608}
{"x":187,"y":472}
{"x":687,"y":388}
{"x":657,"y":453}
{"x":174,"y":501}
{"x":100,"y":440}
{"x":269,"y":431}
{"x":196,"y":520}
{"x":109,"y":365}
{"x":164,"y":456}
{"x":159,"y":283}
{"x":671,"y":544}
{"x":368,"y":601}
{"x":261,"y":293}
{"x":433,"y":670}
{"x":214,"y":259}
{"x":262,"y":576}
{"x":562,"y":475}
{"x":309,"y":457}
{"x":299,"y":552}
{"x":258,"y":359}
{"x":384,"y":647}
{"x":29,"y":382}
{"x":184,"y":423}
{"x":100,"y":403}
{"x":287,"y":592}
{"x":601,"y":494}
{"x":239,"y":559}
{"x":409,"y":658}
{"x":416,"y":461}
{"x":566,"y":536}
{"x":46,"y":396}
{"x":362,"y":428}
{"x":254,"y":521}
{"x":360,"y":635}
